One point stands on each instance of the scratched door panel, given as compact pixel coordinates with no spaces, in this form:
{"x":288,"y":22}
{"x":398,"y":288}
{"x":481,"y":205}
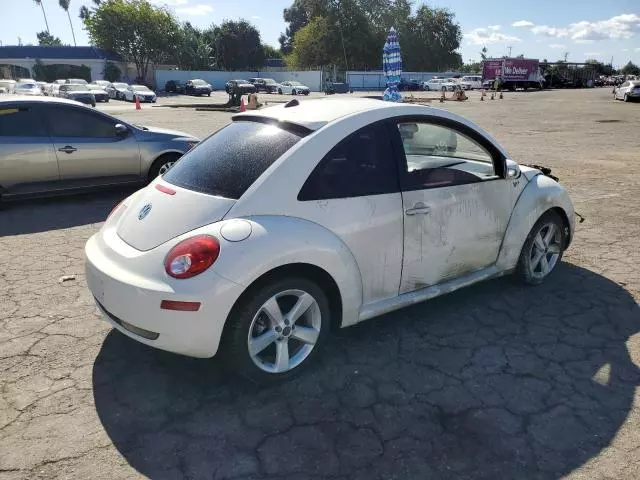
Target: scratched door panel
{"x":461,"y":233}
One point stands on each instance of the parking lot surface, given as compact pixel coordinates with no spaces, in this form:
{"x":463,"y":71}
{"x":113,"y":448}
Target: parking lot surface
{"x":498,"y":381}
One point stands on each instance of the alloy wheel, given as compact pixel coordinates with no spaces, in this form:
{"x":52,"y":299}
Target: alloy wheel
{"x":545,"y":250}
{"x":284,"y":331}
{"x":165,"y":167}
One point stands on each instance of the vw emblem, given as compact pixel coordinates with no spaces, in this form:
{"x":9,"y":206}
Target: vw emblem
{"x":144,"y":211}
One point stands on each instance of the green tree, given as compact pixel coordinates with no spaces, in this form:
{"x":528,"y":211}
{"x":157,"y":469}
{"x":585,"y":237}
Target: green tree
{"x":351,"y":33}
{"x":45,"y":39}
{"x":140,"y":32}
{"x":431,"y":40}
{"x":64,"y":4}
{"x":483,"y":54}
{"x":297,"y":17}
{"x":237,"y":45}
{"x":270,"y":52}
{"x":111,"y":72}
{"x":39,"y":3}
{"x":471,"y":67}
{"x":630,"y":69}
{"x":193,"y":49}
{"x":85,"y":11}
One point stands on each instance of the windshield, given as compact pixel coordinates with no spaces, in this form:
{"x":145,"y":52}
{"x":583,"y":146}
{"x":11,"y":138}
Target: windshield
{"x":269,"y":81}
{"x":120,"y":85}
{"x":77,"y":81}
{"x":26,"y":85}
{"x":228,"y":162}
{"x":296,"y":84}
{"x":140,"y":88}
{"x":198,"y":82}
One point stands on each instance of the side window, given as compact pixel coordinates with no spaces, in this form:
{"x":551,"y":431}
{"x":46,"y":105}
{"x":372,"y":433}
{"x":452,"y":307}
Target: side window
{"x":21,"y":121}
{"x":362,"y":164}
{"x":439,"y":156}
{"x":75,"y":122}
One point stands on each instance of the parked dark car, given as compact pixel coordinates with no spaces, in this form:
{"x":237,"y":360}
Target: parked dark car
{"x":174,"y":86}
{"x":336,"y":87}
{"x":198,"y":87}
{"x":411,"y":85}
{"x":239,"y":87}
{"x":79,"y":93}
{"x":267,"y":85}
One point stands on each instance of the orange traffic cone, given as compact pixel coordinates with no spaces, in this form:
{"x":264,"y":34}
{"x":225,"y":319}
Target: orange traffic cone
{"x":243,"y":107}
{"x":138,"y":107}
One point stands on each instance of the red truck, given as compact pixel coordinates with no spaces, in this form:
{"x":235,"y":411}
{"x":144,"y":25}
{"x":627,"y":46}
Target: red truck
{"x":512,"y":73}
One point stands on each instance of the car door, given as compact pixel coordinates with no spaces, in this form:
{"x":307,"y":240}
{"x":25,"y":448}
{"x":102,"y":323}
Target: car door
{"x":286,"y":88}
{"x":354,"y":192}
{"x":27,"y":158}
{"x":622,"y":90}
{"x":456,"y":200}
{"x":88,"y":145}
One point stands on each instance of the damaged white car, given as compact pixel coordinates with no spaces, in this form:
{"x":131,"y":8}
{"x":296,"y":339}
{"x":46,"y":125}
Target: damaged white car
{"x":300,"y":218}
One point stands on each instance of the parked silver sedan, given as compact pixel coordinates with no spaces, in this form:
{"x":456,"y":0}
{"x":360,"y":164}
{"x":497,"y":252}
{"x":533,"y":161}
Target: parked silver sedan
{"x":52,"y":145}
{"x":629,"y":90}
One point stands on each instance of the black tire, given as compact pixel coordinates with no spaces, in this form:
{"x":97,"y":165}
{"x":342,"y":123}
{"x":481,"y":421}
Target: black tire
{"x":294,"y":92}
{"x":161,"y":161}
{"x":209,"y":94}
{"x":525,"y":270}
{"x":279,"y":91}
{"x":235,"y":347}
{"x":626,"y":97}
{"x":307,"y":92}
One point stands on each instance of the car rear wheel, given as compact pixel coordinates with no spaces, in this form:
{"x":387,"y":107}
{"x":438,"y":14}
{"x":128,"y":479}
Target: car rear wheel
{"x":277,"y":331}
{"x":293,"y":92}
{"x":279,"y":91}
{"x":542,"y":249}
{"x":626,"y":97}
{"x":162,"y":165}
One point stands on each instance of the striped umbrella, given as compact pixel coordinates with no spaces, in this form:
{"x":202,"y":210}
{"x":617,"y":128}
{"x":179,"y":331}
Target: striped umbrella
{"x":392,"y":66}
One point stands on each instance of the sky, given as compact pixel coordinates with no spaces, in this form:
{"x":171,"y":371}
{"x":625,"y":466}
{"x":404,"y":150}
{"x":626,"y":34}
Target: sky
{"x":600,"y":29}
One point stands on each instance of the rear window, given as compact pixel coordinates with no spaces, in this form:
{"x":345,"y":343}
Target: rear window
{"x":227,"y":163}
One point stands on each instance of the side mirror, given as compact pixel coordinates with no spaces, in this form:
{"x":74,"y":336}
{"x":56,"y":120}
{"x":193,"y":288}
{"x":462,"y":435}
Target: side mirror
{"x":121,"y":130}
{"x":513,"y":170}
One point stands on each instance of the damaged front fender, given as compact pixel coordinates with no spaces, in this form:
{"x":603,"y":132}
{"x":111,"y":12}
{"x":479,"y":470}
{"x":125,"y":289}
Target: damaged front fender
{"x":541,"y":194}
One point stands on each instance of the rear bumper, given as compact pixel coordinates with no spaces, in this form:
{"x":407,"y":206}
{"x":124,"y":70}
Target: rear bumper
{"x":129,"y":286}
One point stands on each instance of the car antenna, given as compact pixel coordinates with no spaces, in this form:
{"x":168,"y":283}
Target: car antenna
{"x":292,"y":103}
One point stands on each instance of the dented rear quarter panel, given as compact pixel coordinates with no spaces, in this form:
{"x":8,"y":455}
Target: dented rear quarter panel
{"x":539,"y":195}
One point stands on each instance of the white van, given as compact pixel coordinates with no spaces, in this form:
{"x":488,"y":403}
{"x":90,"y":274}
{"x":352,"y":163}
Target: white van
{"x":470,"y":82}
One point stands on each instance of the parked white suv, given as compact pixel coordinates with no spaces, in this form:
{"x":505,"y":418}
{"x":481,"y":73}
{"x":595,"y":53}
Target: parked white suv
{"x":471,"y":82}
{"x":439,"y":84}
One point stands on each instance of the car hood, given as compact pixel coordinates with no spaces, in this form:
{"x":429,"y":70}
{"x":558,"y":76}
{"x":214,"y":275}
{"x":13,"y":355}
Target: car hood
{"x":167,"y":132}
{"x":79,"y":94}
{"x":167,"y":215}
{"x":529,"y":172}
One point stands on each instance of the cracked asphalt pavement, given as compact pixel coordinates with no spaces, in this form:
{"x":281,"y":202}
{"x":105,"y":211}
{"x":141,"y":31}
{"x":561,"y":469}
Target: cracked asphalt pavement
{"x":497,"y":381}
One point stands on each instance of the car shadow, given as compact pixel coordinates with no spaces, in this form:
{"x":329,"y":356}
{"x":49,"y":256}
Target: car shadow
{"x":495,"y":381}
{"x":19,"y":217}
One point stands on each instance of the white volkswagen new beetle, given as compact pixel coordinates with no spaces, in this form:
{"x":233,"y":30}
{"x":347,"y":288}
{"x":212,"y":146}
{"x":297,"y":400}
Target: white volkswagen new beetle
{"x":300,"y":218}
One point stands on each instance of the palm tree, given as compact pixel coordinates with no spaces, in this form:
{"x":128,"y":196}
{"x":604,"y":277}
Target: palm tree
{"x":84,"y":10}
{"x":39,"y":2}
{"x":64,"y":4}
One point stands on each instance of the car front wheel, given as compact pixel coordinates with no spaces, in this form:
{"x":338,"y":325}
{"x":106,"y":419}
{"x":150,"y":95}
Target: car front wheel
{"x":626,"y":97}
{"x":280,"y":91}
{"x":542,"y":249}
{"x":162,"y":165}
{"x":277,"y":331}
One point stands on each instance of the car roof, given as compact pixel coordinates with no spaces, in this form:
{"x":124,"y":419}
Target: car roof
{"x":46,"y":100}
{"x":316,"y":113}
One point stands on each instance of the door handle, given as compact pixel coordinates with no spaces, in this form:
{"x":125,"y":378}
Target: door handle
{"x":418,"y":209}
{"x":67,"y":149}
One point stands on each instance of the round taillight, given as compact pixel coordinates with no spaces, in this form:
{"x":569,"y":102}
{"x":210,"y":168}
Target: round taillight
{"x":192,"y":256}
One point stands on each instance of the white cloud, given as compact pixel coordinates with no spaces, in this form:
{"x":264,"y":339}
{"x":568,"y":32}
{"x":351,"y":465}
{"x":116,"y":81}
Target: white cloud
{"x":621,"y":26}
{"x":593,"y":54}
{"x":255,"y":17}
{"x":557,"y":45}
{"x":495,"y":28}
{"x":625,"y":49}
{"x":484,"y":36}
{"x":638,"y":49}
{"x":522,"y":23}
{"x":550,"y":31}
{"x":195,"y":10}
